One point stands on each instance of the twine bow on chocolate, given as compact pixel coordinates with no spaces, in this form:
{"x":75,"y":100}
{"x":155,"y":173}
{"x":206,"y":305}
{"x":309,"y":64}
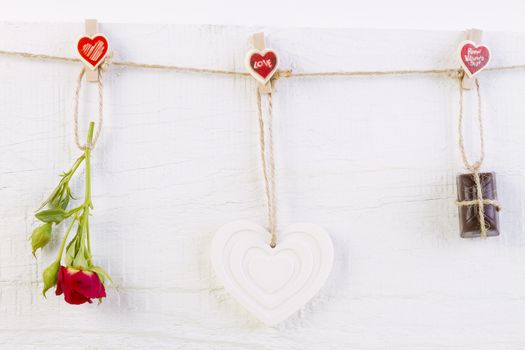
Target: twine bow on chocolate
{"x":480,"y":202}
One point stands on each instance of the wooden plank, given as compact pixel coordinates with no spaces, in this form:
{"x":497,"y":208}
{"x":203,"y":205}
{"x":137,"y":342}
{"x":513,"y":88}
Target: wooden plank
{"x":373,"y":160}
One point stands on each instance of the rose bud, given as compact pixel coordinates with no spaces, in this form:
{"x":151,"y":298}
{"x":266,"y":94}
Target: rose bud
{"x":41,"y":236}
{"x":79,"y":286}
{"x":50,"y":276}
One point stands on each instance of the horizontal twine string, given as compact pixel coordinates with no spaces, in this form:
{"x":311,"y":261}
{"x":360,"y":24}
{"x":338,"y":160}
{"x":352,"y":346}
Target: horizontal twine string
{"x":451,"y":72}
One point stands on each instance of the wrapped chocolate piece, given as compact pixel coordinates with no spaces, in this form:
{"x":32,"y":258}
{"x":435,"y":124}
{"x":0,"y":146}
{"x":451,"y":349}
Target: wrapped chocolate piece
{"x":469,"y":218}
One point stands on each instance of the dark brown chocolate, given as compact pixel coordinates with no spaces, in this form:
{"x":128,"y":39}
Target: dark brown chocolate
{"x":468,"y":215}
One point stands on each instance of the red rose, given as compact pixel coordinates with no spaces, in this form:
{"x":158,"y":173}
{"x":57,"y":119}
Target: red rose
{"x":79,"y":286}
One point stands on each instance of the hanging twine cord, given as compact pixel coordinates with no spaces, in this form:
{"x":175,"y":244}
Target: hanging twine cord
{"x":480,"y":202}
{"x":268,"y":165}
{"x":269,"y":175}
{"x":78,"y":86}
{"x":450,"y":72}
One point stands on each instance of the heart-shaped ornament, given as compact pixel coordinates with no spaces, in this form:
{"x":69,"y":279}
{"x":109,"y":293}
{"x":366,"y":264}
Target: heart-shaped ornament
{"x":262,"y":64}
{"x":272,"y":283}
{"x":473,"y":57}
{"x":92,"y":50}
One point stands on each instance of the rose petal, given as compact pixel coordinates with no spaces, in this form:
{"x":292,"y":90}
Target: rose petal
{"x":76,"y":298}
{"x":60,"y":280}
{"x":79,"y":286}
{"x":88,"y":284}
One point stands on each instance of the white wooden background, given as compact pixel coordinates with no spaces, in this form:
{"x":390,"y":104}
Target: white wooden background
{"x":373,"y":160}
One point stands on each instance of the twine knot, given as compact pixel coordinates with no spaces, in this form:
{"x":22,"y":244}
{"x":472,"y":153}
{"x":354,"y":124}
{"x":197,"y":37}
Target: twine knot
{"x":107,"y":61}
{"x":282,"y":74}
{"x":457,"y":74}
{"x":474,"y":168}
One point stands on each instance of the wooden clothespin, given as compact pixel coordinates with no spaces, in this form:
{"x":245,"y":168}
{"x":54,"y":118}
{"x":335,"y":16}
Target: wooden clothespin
{"x":260,"y":44}
{"x":473,"y":35}
{"x":91,"y":30}
{"x":92,"y":49}
{"x":262,"y":63}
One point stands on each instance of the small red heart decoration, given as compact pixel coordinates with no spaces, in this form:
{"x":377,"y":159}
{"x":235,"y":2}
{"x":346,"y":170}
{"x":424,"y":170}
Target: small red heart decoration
{"x":92,"y":50}
{"x":262,"y":65}
{"x":473,"y":57}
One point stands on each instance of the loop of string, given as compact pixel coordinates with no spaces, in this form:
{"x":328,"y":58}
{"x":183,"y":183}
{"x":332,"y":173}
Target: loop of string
{"x":477,"y":164}
{"x":268,"y":165}
{"x":474,"y":167}
{"x":100,"y":84}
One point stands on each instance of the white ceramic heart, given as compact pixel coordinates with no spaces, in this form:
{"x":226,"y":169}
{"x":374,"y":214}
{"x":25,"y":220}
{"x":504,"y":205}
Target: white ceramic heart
{"x":272,"y":283}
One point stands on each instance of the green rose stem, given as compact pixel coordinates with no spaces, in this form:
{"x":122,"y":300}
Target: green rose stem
{"x":83,"y":254}
{"x":51,"y":273}
{"x":87,"y":200}
{"x":61,"y":250}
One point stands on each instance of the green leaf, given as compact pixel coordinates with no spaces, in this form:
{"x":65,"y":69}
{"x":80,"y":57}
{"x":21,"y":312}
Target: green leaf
{"x":51,"y":198}
{"x":70,"y":253}
{"x":80,"y":261}
{"x":62,"y":189}
{"x":51,"y":215}
{"x":57,"y":199}
{"x":64,"y":202}
{"x":68,"y":191}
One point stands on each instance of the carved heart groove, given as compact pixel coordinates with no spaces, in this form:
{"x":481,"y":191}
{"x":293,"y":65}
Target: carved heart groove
{"x":272,"y":283}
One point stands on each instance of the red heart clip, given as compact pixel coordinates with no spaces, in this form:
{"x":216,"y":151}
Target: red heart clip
{"x":262,"y":65}
{"x":92,"y":50}
{"x":473,"y":57}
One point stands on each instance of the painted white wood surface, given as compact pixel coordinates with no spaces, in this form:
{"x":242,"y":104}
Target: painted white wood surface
{"x":372,"y":160}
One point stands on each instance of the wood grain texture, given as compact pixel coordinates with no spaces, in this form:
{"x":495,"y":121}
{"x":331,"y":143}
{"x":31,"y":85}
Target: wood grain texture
{"x":372,"y":160}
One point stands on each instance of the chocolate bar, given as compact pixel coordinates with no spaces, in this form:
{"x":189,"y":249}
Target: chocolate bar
{"x":469,"y":222}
